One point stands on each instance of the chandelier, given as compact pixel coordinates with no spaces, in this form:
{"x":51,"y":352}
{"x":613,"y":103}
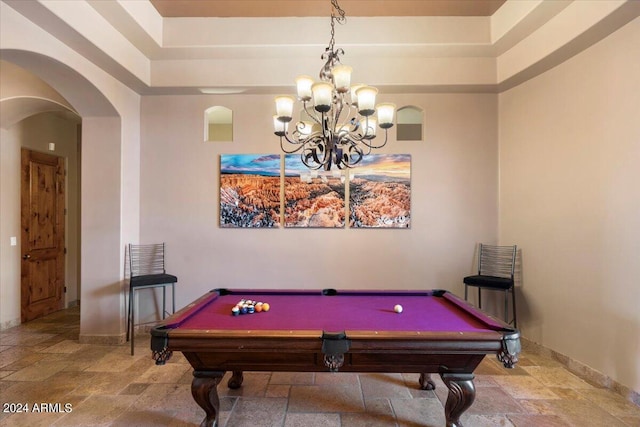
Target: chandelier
{"x":340,"y":120}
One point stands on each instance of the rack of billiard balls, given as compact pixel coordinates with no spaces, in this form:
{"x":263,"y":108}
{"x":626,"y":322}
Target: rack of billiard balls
{"x":247,"y":306}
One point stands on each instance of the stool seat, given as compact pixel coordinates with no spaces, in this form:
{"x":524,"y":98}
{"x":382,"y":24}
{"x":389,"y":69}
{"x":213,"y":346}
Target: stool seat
{"x":152,"y":280}
{"x":492,"y":282}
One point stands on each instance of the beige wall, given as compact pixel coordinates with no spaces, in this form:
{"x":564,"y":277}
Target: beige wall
{"x":569,"y":196}
{"x":110,"y":174}
{"x":9,"y":227}
{"x":454,"y":202}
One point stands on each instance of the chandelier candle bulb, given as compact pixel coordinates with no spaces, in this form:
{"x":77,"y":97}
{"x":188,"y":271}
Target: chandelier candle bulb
{"x":342,"y":77}
{"x":385,"y":114}
{"x":322,"y":96}
{"x":370,"y":127}
{"x":284,"y":108}
{"x":280,"y":127}
{"x":304,"y":83}
{"x":366,"y":100}
{"x":354,"y":93}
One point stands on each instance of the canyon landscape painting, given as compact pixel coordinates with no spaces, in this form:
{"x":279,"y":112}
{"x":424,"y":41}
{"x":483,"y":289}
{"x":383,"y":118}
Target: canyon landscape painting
{"x":380,"y":192}
{"x":249,"y":190}
{"x":312,"y":198}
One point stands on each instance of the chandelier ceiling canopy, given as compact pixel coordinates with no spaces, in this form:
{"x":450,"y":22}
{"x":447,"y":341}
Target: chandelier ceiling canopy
{"x":339,"y":121}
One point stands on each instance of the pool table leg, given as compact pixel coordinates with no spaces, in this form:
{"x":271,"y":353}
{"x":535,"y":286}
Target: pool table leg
{"x":236,"y":380}
{"x":205,"y":393}
{"x":426,"y":383}
{"x":462,"y":393}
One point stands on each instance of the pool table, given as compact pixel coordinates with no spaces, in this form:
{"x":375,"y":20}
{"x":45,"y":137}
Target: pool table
{"x":330,"y":330}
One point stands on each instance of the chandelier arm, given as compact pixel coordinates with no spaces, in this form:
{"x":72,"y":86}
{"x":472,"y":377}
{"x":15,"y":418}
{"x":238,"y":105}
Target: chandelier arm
{"x":311,"y":166}
{"x":314,"y":138}
{"x":326,"y":126}
{"x":360,"y":136}
{"x":356,"y":151}
{"x":370,"y":145}
{"x":292,"y":142}
{"x":342,"y":109}
{"x":311,"y":152}
{"x":352,"y":112}
{"x":356,"y":145}
{"x":312,"y":113}
{"x":355,"y":137}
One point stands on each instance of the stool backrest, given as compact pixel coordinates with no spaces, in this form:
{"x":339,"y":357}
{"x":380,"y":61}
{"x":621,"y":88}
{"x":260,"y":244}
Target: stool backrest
{"x":497,"y":261}
{"x":146,"y":259}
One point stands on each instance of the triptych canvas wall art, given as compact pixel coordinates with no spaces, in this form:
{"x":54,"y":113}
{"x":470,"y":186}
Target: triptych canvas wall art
{"x":273,"y":190}
{"x":250,"y":191}
{"x":312,"y":198}
{"x":380,"y":192}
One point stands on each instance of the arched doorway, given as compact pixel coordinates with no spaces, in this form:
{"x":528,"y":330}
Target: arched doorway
{"x":99,"y":197}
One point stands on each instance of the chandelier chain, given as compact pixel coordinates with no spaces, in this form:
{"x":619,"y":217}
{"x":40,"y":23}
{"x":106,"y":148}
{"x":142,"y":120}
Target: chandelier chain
{"x":341,"y":19}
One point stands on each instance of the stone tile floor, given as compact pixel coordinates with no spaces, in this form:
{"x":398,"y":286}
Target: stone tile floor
{"x":42,"y":362}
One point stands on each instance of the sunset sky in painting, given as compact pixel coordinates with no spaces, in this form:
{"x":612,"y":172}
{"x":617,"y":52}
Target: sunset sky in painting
{"x":390,"y":165}
{"x":293,"y":166}
{"x":256,"y":164}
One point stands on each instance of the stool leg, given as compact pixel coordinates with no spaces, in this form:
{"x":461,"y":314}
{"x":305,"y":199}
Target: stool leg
{"x":513,"y":304}
{"x":466,"y":289}
{"x":173,"y":298}
{"x":133,"y":320}
{"x":164,"y":301}
{"x":129,"y":308}
{"x":506,"y":305}
{"x":479,"y":297}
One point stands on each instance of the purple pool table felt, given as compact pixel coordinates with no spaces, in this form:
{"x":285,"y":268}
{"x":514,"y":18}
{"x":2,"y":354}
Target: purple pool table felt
{"x":355,"y":312}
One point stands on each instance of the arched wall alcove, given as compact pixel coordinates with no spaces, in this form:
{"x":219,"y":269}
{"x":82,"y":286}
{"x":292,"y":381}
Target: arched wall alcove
{"x":410,"y":123}
{"x":101,"y":194}
{"x":218,"y":124}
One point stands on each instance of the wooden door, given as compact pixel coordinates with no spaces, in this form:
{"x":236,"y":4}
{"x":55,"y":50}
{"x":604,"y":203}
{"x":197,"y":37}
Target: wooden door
{"x":42,"y":238}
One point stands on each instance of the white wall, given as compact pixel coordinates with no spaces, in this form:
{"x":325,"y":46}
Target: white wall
{"x":569,"y":196}
{"x":454,"y":202}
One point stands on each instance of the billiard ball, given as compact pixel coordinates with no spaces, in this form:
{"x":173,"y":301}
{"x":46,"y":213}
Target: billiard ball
{"x":397,"y":308}
{"x":265,"y":306}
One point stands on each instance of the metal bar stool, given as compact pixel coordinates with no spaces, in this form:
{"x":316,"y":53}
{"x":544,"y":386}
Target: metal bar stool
{"x":147,"y":267}
{"x":496,"y":266}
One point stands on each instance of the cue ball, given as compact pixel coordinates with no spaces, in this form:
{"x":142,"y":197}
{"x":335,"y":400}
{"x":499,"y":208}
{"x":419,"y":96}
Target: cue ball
{"x":397,"y":308}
